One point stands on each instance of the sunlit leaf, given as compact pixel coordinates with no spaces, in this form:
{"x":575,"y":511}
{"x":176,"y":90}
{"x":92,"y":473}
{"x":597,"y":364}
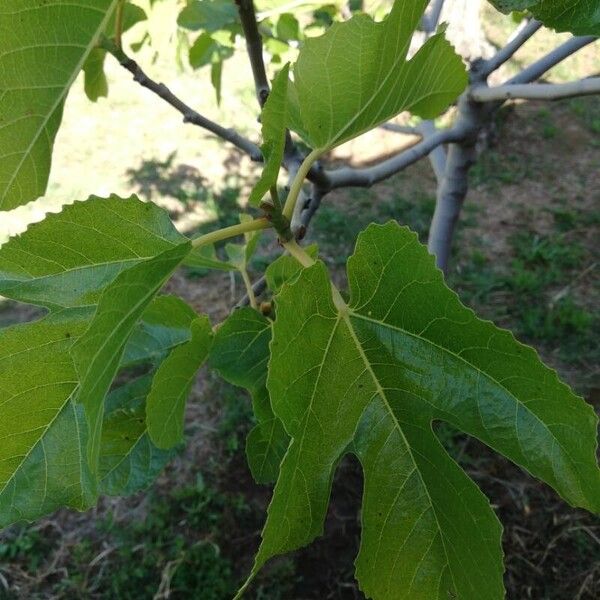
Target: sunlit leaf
{"x":95,"y":82}
{"x":274,"y":116}
{"x":43,"y":46}
{"x":356,"y":76}
{"x":70,"y":257}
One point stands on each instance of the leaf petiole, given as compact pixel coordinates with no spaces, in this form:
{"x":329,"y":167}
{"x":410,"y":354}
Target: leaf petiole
{"x":307,"y":163}
{"x":229,"y":232}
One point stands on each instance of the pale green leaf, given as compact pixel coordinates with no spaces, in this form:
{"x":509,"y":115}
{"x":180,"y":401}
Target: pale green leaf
{"x":42,"y":431}
{"x":240,"y":353}
{"x":209,"y":15}
{"x":99,"y":352}
{"x":95,"y":82}
{"x":581,"y":17}
{"x":171,"y":386}
{"x":355,"y":77}
{"x":70,"y":257}
{"x":370,"y":377}
{"x":129,"y":461}
{"x":274,"y":117}
{"x":43,"y":46}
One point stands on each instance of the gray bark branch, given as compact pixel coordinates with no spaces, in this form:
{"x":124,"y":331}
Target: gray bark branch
{"x":524,"y":33}
{"x":537,"y":91}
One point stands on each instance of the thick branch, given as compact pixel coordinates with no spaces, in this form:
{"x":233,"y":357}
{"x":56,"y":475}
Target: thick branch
{"x":538,"y":68}
{"x":521,"y":35}
{"x":431,"y":18}
{"x":437,"y":157}
{"x":537,"y":91}
{"x":350,"y":177}
{"x":189,"y":114}
{"x":255,"y":48}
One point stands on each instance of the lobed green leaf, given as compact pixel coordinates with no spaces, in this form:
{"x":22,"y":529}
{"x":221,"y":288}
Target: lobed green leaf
{"x":370,"y":377}
{"x":356,"y":76}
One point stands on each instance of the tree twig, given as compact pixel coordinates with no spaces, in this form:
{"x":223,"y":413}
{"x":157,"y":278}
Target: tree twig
{"x":366,"y":177}
{"x":189,"y":114}
{"x":405,"y":129}
{"x":537,"y":91}
{"x":521,"y":35}
{"x":255,"y":48}
{"x":539,"y":67}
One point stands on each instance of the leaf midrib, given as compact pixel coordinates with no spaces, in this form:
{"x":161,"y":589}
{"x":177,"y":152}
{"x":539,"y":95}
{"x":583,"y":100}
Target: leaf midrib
{"x":345,"y":315}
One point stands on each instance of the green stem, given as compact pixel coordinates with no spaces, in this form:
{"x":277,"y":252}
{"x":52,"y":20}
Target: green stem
{"x":299,"y":253}
{"x":249,"y":289}
{"x":232,"y":231}
{"x":307,"y":261}
{"x":290,"y":203}
{"x":119,"y":23}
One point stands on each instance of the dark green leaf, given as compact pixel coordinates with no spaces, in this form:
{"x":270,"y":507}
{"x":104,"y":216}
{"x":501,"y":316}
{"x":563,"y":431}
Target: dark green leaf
{"x":165,"y":324}
{"x":129,"y":461}
{"x":240,"y":353}
{"x":370,"y":377}
{"x":70,"y":257}
{"x":171,"y":386}
{"x":581,"y":17}
{"x":209,"y":15}
{"x":43,"y":46}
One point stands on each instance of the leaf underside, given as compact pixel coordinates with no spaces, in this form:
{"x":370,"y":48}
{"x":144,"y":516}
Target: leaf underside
{"x":356,"y":76}
{"x":105,"y":260}
{"x":370,"y":377}
{"x":43,"y":46}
